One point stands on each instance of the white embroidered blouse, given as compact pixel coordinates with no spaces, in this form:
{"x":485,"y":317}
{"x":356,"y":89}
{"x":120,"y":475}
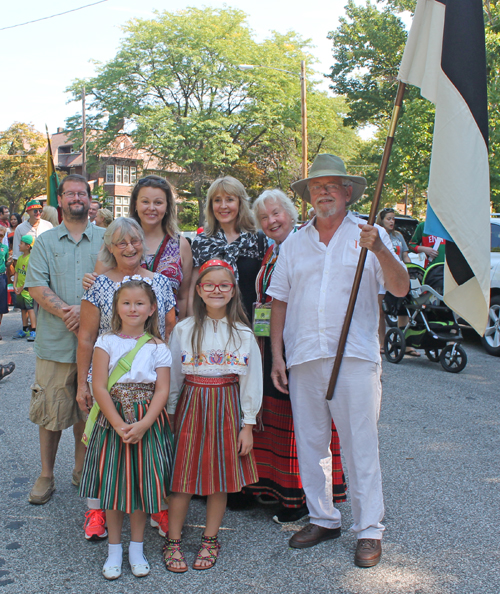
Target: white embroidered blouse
{"x":218,"y":357}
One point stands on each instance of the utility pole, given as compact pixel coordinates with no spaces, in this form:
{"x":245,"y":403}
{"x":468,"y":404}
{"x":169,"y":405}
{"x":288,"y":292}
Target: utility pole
{"x":84,"y":137}
{"x":303,"y":108}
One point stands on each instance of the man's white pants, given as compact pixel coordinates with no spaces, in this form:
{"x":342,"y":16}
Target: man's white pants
{"x":354,"y":408}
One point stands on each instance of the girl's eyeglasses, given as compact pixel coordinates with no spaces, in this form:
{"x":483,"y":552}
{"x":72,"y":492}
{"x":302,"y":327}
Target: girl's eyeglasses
{"x":210,"y":287}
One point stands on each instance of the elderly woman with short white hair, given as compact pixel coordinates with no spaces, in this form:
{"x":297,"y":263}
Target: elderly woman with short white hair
{"x":274,"y":445}
{"x":121,"y":254}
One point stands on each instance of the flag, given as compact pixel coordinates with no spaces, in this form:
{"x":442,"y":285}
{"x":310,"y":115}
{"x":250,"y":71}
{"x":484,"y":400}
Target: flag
{"x":52,"y":179}
{"x":445,"y":56}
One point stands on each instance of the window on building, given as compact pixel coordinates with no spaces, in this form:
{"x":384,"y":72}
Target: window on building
{"x":110,"y":174}
{"x":118,"y":174}
{"x":126,"y":175}
{"x":121,"y":208}
{"x":133,"y":175}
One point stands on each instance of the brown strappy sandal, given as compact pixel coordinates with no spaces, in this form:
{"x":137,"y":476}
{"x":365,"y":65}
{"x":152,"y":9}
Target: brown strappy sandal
{"x":212,"y":546}
{"x":172,"y":546}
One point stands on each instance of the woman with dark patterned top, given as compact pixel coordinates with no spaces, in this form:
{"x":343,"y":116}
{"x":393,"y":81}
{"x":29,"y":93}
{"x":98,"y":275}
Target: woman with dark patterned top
{"x":230,"y":234}
{"x":274,"y":444}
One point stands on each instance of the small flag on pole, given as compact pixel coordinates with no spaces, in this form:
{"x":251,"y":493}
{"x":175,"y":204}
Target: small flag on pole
{"x":445,"y":57}
{"x":52,"y":179}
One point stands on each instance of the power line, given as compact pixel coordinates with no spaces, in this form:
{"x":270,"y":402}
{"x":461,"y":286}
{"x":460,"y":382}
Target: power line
{"x":52,"y":16}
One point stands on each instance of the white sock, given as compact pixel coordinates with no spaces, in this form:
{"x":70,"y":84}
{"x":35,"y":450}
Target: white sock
{"x":93,"y":503}
{"x":136,"y":554}
{"x":115,"y":553}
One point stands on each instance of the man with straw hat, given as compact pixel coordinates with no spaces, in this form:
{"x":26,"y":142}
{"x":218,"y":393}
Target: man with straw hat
{"x":310,"y":287}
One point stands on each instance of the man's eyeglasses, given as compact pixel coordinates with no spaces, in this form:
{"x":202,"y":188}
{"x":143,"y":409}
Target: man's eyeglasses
{"x":35,"y":210}
{"x":210,"y":287}
{"x":329,"y":188}
{"x":135,"y":242}
{"x":73,"y":194}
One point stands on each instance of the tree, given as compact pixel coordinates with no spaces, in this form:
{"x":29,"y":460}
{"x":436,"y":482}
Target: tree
{"x":492,"y":20}
{"x":23,"y":166}
{"x":368,"y":47}
{"x":176,"y":86}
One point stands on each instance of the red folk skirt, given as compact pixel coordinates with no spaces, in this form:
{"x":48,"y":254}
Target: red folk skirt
{"x":275,"y":449}
{"x":207,"y":424}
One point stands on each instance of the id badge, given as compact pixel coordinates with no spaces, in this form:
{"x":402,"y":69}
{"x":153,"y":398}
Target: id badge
{"x":262,"y":320}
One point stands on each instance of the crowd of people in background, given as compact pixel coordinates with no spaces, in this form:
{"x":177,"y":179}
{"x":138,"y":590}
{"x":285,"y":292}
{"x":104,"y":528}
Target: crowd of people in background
{"x":201,"y":369}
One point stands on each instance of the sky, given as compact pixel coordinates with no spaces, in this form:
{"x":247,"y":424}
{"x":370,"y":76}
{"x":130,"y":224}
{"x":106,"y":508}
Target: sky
{"x":40,"y":60}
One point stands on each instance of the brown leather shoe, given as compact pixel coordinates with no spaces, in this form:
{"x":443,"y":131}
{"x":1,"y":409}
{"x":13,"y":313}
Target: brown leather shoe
{"x":42,"y":490}
{"x":311,"y":535}
{"x":368,"y":552}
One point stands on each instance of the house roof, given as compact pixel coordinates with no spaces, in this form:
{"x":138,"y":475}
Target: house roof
{"x":122,"y":148}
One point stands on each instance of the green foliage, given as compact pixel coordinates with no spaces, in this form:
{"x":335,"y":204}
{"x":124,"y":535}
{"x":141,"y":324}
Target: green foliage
{"x":188,"y":214}
{"x":492,"y":22}
{"x":368,"y":47}
{"x":176,"y":85}
{"x":23,"y":167}
{"x":105,"y":200}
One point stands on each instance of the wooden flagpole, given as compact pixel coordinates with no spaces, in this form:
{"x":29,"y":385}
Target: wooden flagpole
{"x":362,"y":257}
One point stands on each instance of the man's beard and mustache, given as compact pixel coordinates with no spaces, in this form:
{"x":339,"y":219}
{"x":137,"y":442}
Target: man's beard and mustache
{"x":76,"y":211}
{"x":324,"y":213}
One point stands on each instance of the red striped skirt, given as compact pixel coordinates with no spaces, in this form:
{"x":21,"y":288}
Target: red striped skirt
{"x":207,"y":424}
{"x":275,"y":448}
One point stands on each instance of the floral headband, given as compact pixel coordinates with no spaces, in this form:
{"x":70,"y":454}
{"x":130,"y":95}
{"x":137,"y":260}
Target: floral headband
{"x":210,"y":263}
{"x":135,"y":277}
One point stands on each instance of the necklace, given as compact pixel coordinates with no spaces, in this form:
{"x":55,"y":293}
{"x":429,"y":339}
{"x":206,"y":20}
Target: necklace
{"x":126,"y":336}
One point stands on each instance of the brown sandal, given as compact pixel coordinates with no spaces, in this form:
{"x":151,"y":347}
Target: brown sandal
{"x":212,"y":546}
{"x":172,"y":546}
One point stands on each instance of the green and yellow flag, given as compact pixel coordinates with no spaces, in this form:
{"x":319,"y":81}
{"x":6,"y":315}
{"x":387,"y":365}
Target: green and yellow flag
{"x":52,"y":179}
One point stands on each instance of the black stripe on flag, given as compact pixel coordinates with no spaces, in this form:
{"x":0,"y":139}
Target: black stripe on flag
{"x":457,"y":264}
{"x":463,"y":58}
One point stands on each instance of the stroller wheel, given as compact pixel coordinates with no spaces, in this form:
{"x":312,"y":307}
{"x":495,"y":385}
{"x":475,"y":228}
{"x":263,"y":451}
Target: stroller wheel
{"x":394,"y":345}
{"x":432,"y":355}
{"x":453,"y":358}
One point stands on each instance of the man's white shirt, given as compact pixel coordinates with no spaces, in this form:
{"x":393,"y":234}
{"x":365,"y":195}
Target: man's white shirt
{"x":315,"y":281}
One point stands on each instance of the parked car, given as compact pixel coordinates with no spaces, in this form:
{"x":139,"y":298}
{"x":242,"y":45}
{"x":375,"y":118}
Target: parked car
{"x":491,"y":338}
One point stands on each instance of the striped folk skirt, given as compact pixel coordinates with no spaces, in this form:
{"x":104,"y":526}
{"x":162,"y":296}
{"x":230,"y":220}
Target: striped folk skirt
{"x":276,"y":451}
{"x":129,"y":477}
{"x":207,"y":424}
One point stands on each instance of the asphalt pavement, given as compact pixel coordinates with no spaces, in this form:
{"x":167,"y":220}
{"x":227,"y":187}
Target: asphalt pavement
{"x":440,"y":455}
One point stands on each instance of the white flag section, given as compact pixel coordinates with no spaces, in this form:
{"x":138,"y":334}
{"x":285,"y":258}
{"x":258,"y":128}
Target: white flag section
{"x":445,"y":57}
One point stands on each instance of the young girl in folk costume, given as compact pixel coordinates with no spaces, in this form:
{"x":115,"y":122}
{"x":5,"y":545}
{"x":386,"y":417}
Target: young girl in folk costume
{"x":128,"y":460}
{"x":217,"y":387}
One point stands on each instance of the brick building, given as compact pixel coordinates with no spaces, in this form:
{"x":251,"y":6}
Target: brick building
{"x":118,"y":168}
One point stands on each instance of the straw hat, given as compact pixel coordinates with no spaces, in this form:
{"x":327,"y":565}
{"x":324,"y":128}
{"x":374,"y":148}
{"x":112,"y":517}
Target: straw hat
{"x":328,"y":166}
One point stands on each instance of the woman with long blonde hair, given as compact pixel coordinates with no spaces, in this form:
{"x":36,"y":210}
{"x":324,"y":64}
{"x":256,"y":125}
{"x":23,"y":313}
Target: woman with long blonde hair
{"x":230,"y":233}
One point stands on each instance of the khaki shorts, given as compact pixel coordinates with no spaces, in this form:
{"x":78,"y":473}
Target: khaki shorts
{"x":53,"y":395}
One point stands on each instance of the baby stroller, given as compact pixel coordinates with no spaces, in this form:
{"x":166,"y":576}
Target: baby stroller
{"x":432,"y":325}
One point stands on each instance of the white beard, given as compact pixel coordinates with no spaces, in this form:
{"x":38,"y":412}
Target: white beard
{"x":325,"y":214}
